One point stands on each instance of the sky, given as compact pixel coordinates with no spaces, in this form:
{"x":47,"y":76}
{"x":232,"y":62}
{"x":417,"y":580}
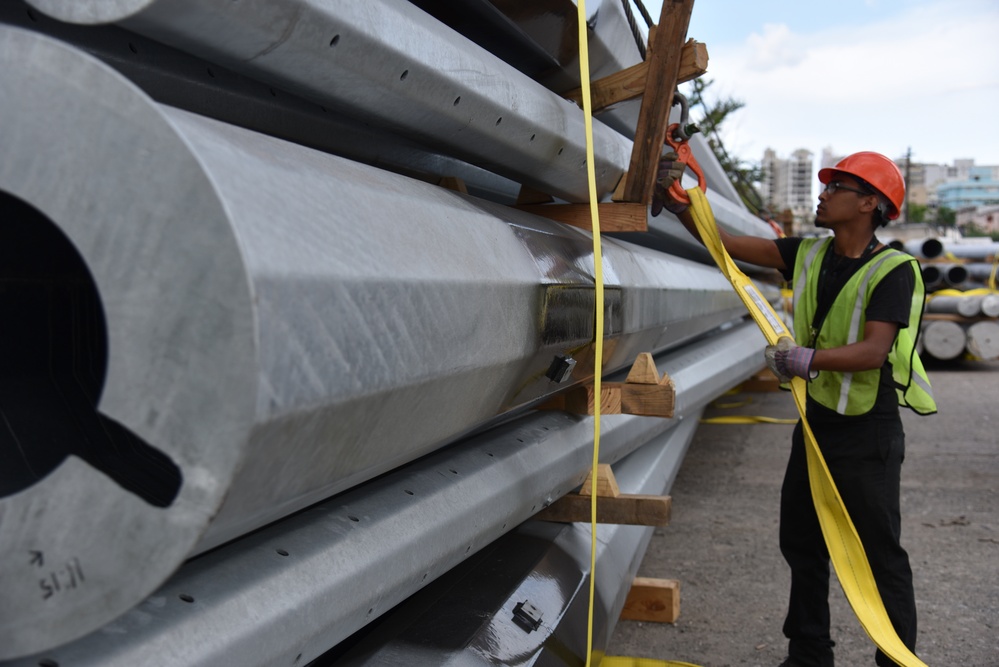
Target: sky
{"x":881,"y":75}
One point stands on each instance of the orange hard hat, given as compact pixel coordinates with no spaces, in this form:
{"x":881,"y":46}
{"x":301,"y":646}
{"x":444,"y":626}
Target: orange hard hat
{"x":875,"y":169}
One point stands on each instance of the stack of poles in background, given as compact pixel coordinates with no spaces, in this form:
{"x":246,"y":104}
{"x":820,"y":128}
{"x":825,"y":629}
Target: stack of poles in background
{"x":962,"y":308}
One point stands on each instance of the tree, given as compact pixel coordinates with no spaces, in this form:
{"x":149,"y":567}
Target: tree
{"x":946,"y":217}
{"x":742,"y":173}
{"x":917,"y":212}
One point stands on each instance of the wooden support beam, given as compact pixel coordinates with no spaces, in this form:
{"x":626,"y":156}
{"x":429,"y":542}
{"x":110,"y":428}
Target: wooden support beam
{"x":626,"y":509}
{"x":630,"y":82}
{"x":614,"y":217}
{"x":637,"y":395}
{"x":665,"y":46}
{"x":612,"y":505}
{"x":652,"y":600}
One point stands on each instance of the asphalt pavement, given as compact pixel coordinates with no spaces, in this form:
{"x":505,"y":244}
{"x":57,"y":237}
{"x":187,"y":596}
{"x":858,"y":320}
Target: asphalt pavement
{"x":722,"y":542}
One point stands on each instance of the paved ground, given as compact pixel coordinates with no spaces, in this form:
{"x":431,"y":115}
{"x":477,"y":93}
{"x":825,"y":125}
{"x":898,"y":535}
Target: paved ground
{"x":722,"y":543}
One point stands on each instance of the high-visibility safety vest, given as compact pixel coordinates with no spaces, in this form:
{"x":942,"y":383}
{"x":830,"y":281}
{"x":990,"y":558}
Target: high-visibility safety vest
{"x":854,"y":393}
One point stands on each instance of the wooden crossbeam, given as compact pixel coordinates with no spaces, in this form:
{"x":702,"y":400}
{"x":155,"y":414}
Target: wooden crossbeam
{"x":612,"y":506}
{"x":652,"y":600}
{"x":626,"y":509}
{"x":663,"y":72}
{"x":630,"y":82}
{"x":614,"y":217}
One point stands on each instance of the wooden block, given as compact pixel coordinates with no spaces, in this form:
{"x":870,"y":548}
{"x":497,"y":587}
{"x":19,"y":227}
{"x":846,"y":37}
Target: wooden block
{"x":630,"y":82}
{"x":614,"y":217}
{"x":665,"y":47}
{"x":653,"y":600}
{"x":762,"y":381}
{"x":453,"y":183}
{"x":619,"y":190}
{"x":529,"y":195}
{"x":579,"y":400}
{"x":644,"y":370}
{"x":644,"y":393}
{"x":649,"y":400}
{"x":625,"y":509}
{"x":606,"y":483}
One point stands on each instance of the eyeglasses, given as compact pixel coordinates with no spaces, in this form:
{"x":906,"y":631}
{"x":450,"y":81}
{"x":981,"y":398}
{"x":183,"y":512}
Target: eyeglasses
{"x":833,"y":186}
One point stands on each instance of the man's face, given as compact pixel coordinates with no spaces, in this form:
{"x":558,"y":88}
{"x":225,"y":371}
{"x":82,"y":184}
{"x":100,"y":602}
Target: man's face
{"x":843,"y":199}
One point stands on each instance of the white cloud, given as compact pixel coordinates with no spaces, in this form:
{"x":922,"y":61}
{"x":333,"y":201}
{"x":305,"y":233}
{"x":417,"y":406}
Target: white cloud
{"x":776,"y":48}
{"x":926,"y":78}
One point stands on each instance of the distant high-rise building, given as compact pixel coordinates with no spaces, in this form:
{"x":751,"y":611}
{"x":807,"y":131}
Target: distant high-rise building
{"x":787,"y":182}
{"x":829,"y":159}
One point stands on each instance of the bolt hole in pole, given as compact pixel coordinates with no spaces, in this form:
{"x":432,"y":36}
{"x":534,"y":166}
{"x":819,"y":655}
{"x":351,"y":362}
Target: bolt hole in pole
{"x":186,"y":598}
{"x":53,"y":366}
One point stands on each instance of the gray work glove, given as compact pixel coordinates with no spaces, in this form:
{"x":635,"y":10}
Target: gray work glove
{"x":784,"y":343}
{"x":670,"y":171}
{"x":787,"y":360}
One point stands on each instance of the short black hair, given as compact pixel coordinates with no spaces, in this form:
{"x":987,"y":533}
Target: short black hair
{"x":878,"y":218}
{"x":880,"y":215}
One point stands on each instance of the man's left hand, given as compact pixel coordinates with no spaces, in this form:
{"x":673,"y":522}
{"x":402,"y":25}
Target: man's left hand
{"x":670,"y":171}
{"x":791,"y":361}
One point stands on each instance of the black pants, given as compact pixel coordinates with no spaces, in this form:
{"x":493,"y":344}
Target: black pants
{"x":865,"y":458}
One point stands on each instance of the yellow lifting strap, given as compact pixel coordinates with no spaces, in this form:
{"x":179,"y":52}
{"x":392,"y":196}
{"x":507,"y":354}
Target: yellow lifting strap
{"x":845,"y":549}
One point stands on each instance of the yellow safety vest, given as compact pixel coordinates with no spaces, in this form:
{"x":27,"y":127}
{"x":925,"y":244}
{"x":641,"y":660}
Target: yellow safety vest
{"x":854,"y":393}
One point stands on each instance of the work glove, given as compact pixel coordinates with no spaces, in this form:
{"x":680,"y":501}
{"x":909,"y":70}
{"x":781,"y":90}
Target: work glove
{"x":670,"y":171}
{"x":787,"y":360}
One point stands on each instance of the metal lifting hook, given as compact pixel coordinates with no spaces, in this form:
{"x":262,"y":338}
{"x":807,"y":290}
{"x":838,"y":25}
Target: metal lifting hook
{"x":677,"y":136}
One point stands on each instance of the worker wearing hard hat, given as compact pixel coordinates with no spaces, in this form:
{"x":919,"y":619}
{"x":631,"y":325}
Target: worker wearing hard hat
{"x":857,"y":306}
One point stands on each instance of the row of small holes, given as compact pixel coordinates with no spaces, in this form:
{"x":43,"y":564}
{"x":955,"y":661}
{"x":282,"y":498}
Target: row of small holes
{"x":333,"y":42}
{"x":188,"y":598}
{"x":405,"y":73}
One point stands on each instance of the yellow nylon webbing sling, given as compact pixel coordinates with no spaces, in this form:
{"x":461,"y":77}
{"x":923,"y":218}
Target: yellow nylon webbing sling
{"x":845,"y":549}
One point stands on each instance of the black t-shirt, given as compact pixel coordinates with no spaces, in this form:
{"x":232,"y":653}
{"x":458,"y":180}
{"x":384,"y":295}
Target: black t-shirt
{"x":890,"y":302}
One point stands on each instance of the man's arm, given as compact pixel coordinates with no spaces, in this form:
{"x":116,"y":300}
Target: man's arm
{"x":753,"y":249}
{"x":866,"y":354}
